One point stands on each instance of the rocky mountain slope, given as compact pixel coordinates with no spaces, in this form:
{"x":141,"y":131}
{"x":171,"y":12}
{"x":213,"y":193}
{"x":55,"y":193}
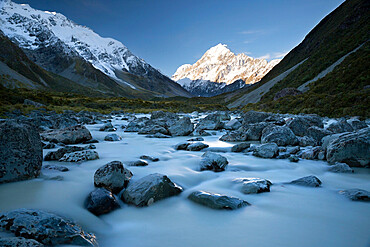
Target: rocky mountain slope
{"x":327,"y":73}
{"x":75,"y":52}
{"x":218,"y":68}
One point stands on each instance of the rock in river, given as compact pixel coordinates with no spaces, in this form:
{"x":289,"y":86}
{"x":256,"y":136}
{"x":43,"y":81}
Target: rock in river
{"x":101,"y":201}
{"x":356,"y":194}
{"x":46,"y":228}
{"x":19,"y":242}
{"x":20,"y":152}
{"x":80,"y":156}
{"x":150,"y":189}
{"x":214,"y":162}
{"x":268,"y":150}
{"x":112,"y":176}
{"x":253,"y":185}
{"x":70,"y":135}
{"x":309,"y":181}
{"x":217,"y":201}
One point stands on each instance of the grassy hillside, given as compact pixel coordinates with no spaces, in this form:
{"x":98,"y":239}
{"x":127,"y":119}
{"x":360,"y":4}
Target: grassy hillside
{"x":12,"y":99}
{"x":337,"y":34}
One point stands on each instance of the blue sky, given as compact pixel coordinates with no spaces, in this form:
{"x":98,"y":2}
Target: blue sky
{"x":169,"y":33}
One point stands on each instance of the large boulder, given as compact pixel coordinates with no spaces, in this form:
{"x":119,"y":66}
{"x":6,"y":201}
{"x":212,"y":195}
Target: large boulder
{"x":233,"y":124}
{"x":163,"y":115}
{"x":112,"y":138}
{"x":57,"y":155}
{"x":217,"y":201}
{"x":20,"y":152}
{"x":357,"y":124}
{"x":281,"y":135}
{"x":317,"y":133}
{"x":101,"y":201}
{"x":255,"y":117}
{"x":46,"y":228}
{"x":253,"y":185}
{"x":196,"y":146}
{"x":340,"y":126}
{"x":182,"y":127}
{"x":70,"y":135}
{"x":268,"y":150}
{"x":340,"y":168}
{"x":153,"y":129}
{"x":80,"y":156}
{"x":19,"y":242}
{"x":210,"y":122}
{"x":350,"y":148}
{"x":234,"y":136}
{"x":112,"y":176}
{"x":237,"y":148}
{"x":254,"y":131}
{"x":136,"y":125}
{"x":309,"y":181}
{"x":356,"y":194}
{"x":107,"y":127}
{"x":214,"y":162}
{"x":150,"y":189}
{"x":299,"y":126}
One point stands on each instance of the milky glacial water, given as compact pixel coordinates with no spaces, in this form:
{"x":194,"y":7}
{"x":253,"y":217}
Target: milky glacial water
{"x":287,"y":216}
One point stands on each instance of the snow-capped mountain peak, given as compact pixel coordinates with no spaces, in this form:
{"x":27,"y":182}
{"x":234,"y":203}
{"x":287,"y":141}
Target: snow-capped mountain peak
{"x":33,"y":28}
{"x":220,"y":65}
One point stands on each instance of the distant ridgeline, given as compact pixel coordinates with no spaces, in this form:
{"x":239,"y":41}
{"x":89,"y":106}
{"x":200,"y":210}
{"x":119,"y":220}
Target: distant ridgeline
{"x":328,"y":73}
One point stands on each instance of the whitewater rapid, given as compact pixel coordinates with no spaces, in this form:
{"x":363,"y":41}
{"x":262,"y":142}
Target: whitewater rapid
{"x":287,"y":216}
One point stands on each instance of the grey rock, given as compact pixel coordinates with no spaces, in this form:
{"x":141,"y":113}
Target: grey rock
{"x":293,"y":150}
{"x":150,"y":158}
{"x":20,"y":152}
{"x":255,"y":117}
{"x":164,"y":115}
{"x":233,"y":124}
{"x":240,"y":147}
{"x":200,"y":132}
{"x":19,"y":242}
{"x":356,"y":194}
{"x":46,"y":228}
{"x":158,"y":135}
{"x":217,"y":201}
{"x":299,"y":126}
{"x":280,"y":135}
{"x":181,"y":146}
{"x":182,"y":127}
{"x":101,"y":201}
{"x":309,"y":181}
{"x":69,"y":135}
{"x":138,"y":163}
{"x":210,"y":122}
{"x":253,"y":185}
{"x":196,"y":146}
{"x":153,"y":129}
{"x":136,"y":125}
{"x":340,"y":168}
{"x":33,"y":103}
{"x":269,"y":150}
{"x":234,"y":136}
{"x":283,"y":156}
{"x":56,"y":168}
{"x":340,"y":126}
{"x":357,"y":124}
{"x":57,"y":155}
{"x":214,"y":162}
{"x":317,"y":133}
{"x":80,"y":156}
{"x":112,"y":138}
{"x":108,"y":127}
{"x":112,"y":176}
{"x":293,"y":158}
{"x":310,"y":153}
{"x":196,"y":139}
{"x":254,"y":131}
{"x":350,"y":148}
{"x":306,"y":141}
{"x":150,"y":189}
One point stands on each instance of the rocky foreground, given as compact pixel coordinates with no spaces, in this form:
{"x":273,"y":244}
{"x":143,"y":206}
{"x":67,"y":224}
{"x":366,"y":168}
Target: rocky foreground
{"x":343,"y":143}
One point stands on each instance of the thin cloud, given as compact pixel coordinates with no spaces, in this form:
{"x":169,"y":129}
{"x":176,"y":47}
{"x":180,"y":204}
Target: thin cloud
{"x":251,"y":32}
{"x":247,"y":42}
{"x":275,"y":55}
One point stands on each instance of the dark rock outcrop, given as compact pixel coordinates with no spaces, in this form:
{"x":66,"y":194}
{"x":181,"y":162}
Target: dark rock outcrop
{"x":101,"y":201}
{"x":217,"y":201}
{"x":20,"y":152}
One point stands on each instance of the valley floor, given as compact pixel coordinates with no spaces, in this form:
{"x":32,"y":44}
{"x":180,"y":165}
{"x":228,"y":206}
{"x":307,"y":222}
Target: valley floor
{"x":287,"y":216}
